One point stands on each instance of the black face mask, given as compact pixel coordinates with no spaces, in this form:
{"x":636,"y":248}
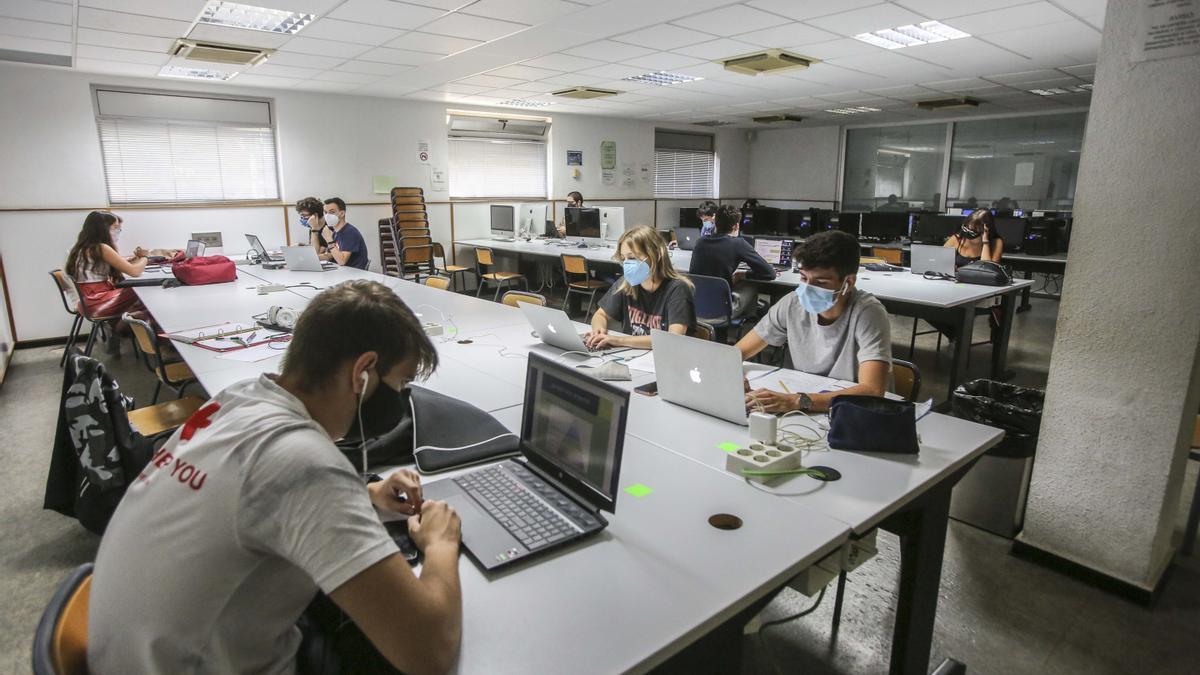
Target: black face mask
{"x":968,"y":233}
{"x":383,"y":410}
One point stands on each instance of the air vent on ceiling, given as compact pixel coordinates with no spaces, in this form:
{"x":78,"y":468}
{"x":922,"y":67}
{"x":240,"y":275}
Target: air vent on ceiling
{"x":585,"y":92}
{"x":949,"y":103}
{"x":712,"y":123}
{"x":769,"y":61}
{"x":775,"y":119}
{"x":218,"y":53}
{"x":39,"y":58}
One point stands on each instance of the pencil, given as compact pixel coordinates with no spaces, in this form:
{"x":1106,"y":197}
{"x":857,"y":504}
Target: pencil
{"x":785,"y":387}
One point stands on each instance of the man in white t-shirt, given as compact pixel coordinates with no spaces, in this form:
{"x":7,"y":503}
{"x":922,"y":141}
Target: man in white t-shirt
{"x":831,"y":328}
{"x":227,"y":535}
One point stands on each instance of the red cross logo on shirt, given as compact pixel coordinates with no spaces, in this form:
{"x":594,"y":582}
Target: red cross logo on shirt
{"x":201,"y":419}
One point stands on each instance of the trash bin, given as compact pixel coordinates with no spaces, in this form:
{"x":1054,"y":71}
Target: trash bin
{"x":991,"y":496}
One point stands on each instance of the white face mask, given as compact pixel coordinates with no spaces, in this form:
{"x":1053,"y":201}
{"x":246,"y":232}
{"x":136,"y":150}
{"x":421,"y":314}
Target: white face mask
{"x":116,"y":236}
{"x":331,"y":219}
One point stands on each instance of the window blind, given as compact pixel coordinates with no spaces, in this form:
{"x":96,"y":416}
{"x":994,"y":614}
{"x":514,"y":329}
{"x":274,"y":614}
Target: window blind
{"x":683,"y":173}
{"x":483,"y":167}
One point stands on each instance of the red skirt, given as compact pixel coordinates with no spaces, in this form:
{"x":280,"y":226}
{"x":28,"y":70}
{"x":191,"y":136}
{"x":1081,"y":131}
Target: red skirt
{"x":102,"y":299}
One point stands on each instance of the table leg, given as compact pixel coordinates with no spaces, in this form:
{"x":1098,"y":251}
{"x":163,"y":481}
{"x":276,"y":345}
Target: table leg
{"x":962,"y":347}
{"x":1025,"y":306}
{"x":1000,"y":341}
{"x":837,"y":606}
{"x":922,"y":531}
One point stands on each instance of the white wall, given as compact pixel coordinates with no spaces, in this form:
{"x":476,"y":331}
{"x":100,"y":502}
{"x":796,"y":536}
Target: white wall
{"x":329,"y":145}
{"x":795,"y":164}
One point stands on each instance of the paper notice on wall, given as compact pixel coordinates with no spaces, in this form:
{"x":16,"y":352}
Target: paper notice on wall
{"x":1167,"y":29}
{"x":437,"y":179}
{"x":1024,"y":175}
{"x":382,"y":185}
{"x":608,"y":176}
{"x":423,"y":152}
{"x":645,"y":172}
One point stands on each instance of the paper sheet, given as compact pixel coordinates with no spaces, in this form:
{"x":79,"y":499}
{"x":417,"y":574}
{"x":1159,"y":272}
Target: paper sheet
{"x":644,"y":363}
{"x":794,"y":382}
{"x":253,"y":354}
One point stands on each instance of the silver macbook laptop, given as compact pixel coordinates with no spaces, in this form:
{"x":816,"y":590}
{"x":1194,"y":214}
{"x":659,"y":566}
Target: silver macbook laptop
{"x":304,"y":259}
{"x":932,"y":259}
{"x":555,"y":328}
{"x":263,"y":254}
{"x":687,"y":237}
{"x":701,"y":375}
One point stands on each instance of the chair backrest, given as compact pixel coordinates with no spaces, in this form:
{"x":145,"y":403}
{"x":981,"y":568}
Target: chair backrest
{"x":483,"y":256}
{"x":60,"y":642}
{"x":66,"y":291}
{"x":407,"y":191}
{"x":704,"y":331}
{"x":908,"y":379}
{"x":513,"y":298}
{"x":418,"y":254}
{"x":147,"y":341}
{"x":422,"y":239}
{"x":894,"y":256}
{"x":440,"y":283}
{"x":438,"y":251}
{"x":403,"y":217}
{"x":574,"y":264}
{"x":713,"y":300}
{"x":870,"y":259}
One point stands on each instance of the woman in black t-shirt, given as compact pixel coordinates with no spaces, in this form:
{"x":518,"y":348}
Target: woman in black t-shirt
{"x":976,"y":240}
{"x":651,"y":295}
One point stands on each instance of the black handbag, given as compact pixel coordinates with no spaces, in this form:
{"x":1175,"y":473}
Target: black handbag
{"x":983,"y":273}
{"x":873,"y":424}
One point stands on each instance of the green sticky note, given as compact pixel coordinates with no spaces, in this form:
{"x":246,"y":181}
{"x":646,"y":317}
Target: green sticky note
{"x":382,"y":185}
{"x":638,"y":490}
{"x":729,"y":447}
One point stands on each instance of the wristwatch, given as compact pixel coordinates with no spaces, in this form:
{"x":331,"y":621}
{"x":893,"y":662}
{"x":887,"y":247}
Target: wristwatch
{"x":369,"y":478}
{"x":805,"y":403}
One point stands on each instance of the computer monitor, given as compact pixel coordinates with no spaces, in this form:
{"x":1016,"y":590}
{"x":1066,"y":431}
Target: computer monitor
{"x":931,"y":228}
{"x":612,"y":222}
{"x":821,"y":219}
{"x":1012,"y":231}
{"x":763,"y":220}
{"x":799,"y":223}
{"x":502,"y":217}
{"x":775,"y":250}
{"x":1018,"y":213}
{"x":583,"y":222}
{"x":884,"y":225}
{"x":532,"y":219}
{"x":847,"y":222}
{"x":689,"y":217}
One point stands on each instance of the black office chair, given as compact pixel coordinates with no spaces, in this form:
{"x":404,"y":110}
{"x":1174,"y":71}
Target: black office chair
{"x":60,"y":641}
{"x":714,"y":305}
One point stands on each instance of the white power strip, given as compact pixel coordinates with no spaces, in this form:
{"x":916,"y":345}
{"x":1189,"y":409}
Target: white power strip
{"x":433,"y":329}
{"x":263,"y":289}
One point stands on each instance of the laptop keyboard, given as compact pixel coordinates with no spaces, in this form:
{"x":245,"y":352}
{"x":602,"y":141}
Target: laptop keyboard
{"x":522,"y":505}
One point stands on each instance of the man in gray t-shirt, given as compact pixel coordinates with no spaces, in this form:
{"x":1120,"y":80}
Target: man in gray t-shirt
{"x":830,"y":327}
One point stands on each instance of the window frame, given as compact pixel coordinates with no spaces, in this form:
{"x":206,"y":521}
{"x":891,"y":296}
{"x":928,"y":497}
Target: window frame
{"x":711,"y":190}
{"x":545,"y":141}
{"x":95,"y":90}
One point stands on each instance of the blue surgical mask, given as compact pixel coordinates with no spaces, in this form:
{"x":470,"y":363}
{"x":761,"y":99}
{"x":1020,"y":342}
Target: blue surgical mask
{"x":815,"y":299}
{"x":635,"y":271}
{"x":304,"y":221}
{"x":708,"y":229}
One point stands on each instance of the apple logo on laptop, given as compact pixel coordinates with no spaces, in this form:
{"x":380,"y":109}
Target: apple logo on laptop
{"x":551,"y":328}
{"x":694,"y":373}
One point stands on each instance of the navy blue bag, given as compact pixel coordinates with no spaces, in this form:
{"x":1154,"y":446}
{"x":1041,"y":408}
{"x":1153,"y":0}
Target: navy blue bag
{"x":873,"y":424}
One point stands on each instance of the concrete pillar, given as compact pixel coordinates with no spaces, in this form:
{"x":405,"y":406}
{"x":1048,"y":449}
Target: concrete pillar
{"x":1125,"y":371}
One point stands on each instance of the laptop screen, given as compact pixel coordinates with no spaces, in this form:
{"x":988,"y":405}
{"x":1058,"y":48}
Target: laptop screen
{"x":574,"y":429}
{"x":194,"y":248}
{"x":774,"y":251}
{"x":257,"y":245}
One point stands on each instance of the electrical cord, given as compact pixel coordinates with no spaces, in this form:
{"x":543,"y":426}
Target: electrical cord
{"x":798,"y":615}
{"x":503,"y":348}
{"x":446,"y":319}
{"x":939,"y":276}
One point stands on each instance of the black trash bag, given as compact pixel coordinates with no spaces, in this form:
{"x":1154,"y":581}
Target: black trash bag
{"x":1016,"y":410}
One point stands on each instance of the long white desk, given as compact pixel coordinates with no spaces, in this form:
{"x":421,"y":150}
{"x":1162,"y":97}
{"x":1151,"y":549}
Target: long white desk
{"x":903,"y":293}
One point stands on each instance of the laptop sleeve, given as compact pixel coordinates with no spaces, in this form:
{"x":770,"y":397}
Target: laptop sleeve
{"x":449,"y":433}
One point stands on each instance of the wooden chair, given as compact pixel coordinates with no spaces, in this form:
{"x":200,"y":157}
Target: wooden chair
{"x":574,"y":267}
{"x":170,"y":368}
{"x":908,"y":379}
{"x":892,"y":256}
{"x":440,"y":283}
{"x":449,"y":270}
{"x":416,"y":260}
{"x":71,"y":303}
{"x":485,"y":260}
{"x":156,"y":419}
{"x":704,"y":331}
{"x":60,"y":641}
{"x":99,"y":323}
{"x":515,"y":298}
{"x":863,"y":260}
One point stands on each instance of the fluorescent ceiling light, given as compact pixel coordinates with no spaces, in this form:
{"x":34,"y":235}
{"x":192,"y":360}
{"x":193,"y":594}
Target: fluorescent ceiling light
{"x":912,"y":35}
{"x":196,"y":73}
{"x":524,"y":103}
{"x":221,"y":13}
{"x":662,"y":78}
{"x":1053,"y":91}
{"x":853,"y":111}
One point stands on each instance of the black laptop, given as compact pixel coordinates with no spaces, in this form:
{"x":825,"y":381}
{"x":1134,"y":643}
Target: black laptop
{"x":687,"y":237}
{"x":572,"y":434}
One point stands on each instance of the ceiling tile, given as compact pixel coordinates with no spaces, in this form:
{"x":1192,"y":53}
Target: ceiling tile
{"x":945,"y":9}
{"x":304,"y":60}
{"x":117,"y":68}
{"x":126,"y":55}
{"x":385,"y":13}
{"x":489,"y":81}
{"x":663,"y":36}
{"x":104,"y":38}
{"x":1024,"y":76}
{"x":811,"y":102}
{"x":90,"y":17}
{"x":719,"y":48}
{"x":23,"y":44}
{"x":320,"y":85}
{"x":663,"y":61}
{"x":563,"y":62}
{"x":398,"y":56}
{"x":607,"y":50}
{"x":36,"y":30}
{"x":530,"y":12}
{"x":731,"y":20}
{"x":835,"y":49}
{"x":888,"y":63}
{"x":1066,"y":42}
{"x":1086,"y":71}
{"x":434,"y":44}
{"x":440,"y":4}
{"x":574,"y":80}
{"x":523,"y":72}
{"x":249,"y":80}
{"x":613,"y":71}
{"x":348,"y":31}
{"x":969,"y":56}
{"x":787,"y":34}
{"x":807,"y":10}
{"x":459,"y":88}
{"x":283,"y":71}
{"x":959,"y":85}
{"x":472,"y":27}
{"x":906,"y":92}
{"x":238,"y":36}
{"x":373,"y":68}
{"x":1012,"y":18}
{"x":309,"y":45}
{"x":866,"y":19}
{"x":180,"y":10}
{"x":1083,"y":7}
{"x":539,"y":87}
{"x":343,"y":76}
{"x":37,"y":10}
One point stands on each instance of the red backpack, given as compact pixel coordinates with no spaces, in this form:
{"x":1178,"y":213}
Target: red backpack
{"x":209,"y":269}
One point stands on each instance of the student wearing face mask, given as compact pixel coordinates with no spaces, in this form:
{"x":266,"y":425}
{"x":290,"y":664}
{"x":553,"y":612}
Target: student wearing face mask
{"x":650,"y":295}
{"x":976,"y":239}
{"x":250,"y":509}
{"x":96,"y":267}
{"x":707,"y":213}
{"x":719,"y":255}
{"x":312,"y":218}
{"x":574,"y":201}
{"x":347,"y":246}
{"x":830,"y":328}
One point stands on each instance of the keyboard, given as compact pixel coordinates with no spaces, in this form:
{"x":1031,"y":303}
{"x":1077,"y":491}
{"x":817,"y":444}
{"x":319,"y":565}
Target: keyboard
{"x":525,"y":505}
{"x":882,"y":267}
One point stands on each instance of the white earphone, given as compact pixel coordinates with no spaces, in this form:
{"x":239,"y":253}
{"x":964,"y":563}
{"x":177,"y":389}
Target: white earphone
{"x":362,"y":437}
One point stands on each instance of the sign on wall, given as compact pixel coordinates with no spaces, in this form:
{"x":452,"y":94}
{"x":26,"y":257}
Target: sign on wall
{"x":1167,"y":29}
{"x":574,"y":158}
{"x":423,"y":152}
{"x":608,"y":154}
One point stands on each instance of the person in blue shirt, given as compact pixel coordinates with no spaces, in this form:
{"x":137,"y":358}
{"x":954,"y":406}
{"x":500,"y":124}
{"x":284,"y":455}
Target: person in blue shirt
{"x":348,"y":247}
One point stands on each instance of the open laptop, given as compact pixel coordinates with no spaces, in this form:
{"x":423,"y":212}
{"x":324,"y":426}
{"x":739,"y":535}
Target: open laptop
{"x":701,"y":375}
{"x":555,"y":328}
{"x":572,"y":435}
{"x":932,"y":259}
{"x":304,"y":259}
{"x":263,"y":253}
{"x":195,"y":249}
{"x":687,"y":237}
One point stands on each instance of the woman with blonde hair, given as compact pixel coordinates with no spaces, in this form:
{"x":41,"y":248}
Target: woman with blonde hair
{"x":650,"y":295}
